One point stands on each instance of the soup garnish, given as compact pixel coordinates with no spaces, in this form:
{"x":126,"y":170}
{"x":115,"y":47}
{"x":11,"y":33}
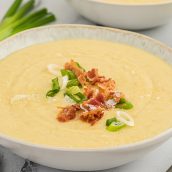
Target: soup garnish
{"x":90,"y":94}
{"x":55,"y":88}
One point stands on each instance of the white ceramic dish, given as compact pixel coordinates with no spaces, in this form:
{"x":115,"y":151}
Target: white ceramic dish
{"x":125,"y":16}
{"x":83,"y":159}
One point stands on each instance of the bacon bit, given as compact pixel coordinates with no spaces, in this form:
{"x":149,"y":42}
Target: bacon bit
{"x":107,"y":85}
{"x":74,"y":68}
{"x":94,"y":77}
{"x":100,"y":98}
{"x":107,"y":88}
{"x":94,"y":102}
{"x":92,"y":74}
{"x":97,"y":89}
{"x":82,"y":79}
{"x":89,"y":91}
{"x":117,"y":96}
{"x":92,"y":116}
{"x":68,"y":113}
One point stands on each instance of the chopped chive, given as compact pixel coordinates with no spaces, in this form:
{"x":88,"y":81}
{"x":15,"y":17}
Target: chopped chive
{"x":115,"y":126}
{"x":55,"y":88}
{"x":68,"y":73}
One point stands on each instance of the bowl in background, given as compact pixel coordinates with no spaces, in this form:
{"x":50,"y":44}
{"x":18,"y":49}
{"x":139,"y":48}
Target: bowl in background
{"x":123,"y":15}
{"x":83,"y":159}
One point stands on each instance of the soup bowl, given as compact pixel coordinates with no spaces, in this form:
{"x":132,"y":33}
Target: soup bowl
{"x":81,"y":159}
{"x":126,"y":16}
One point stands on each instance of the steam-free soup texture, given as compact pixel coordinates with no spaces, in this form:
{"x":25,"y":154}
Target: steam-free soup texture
{"x":144,"y":79}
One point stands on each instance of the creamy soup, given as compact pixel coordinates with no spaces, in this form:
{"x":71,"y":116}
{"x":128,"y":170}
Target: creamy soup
{"x":135,"y":1}
{"x":27,"y":114}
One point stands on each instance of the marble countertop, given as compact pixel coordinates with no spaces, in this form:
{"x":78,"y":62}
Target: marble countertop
{"x":157,"y":161}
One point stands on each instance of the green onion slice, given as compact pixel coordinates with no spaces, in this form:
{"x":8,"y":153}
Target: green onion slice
{"x":109,"y":121}
{"x":73,"y":82}
{"x":55,"y":88}
{"x":124,"y":104}
{"x":73,"y":90}
{"x":80,"y":66}
{"x":68,"y":73}
{"x":115,"y":126}
{"x":51,"y":93}
{"x":75,"y":94}
{"x":74,"y":97}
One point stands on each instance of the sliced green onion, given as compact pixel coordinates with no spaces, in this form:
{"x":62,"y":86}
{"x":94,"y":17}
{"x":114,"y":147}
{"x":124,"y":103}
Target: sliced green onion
{"x":125,"y":118}
{"x":122,"y":100}
{"x":74,"y":97}
{"x":55,"y":84}
{"x":109,"y":121}
{"x":80,"y":66}
{"x":124,"y":104}
{"x":81,"y":96}
{"x":51,"y":93}
{"x":115,"y":126}
{"x":75,"y":94}
{"x":73,"y":82}
{"x":73,"y":90}
{"x":55,"y":88}
{"x":68,"y":73}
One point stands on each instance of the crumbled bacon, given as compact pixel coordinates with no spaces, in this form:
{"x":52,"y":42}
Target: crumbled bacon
{"x":92,"y":116}
{"x":74,"y":68}
{"x":94,"y":77}
{"x":89,"y":91}
{"x":82,"y":79}
{"x":107,"y":85}
{"x":98,"y":91}
{"x":117,"y":97}
{"x":68,"y":113}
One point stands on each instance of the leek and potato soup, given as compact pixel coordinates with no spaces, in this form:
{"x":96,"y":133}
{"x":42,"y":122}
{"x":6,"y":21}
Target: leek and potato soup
{"x":84,"y":94}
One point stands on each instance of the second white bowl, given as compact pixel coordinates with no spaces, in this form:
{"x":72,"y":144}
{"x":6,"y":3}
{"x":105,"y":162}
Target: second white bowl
{"x":125,"y":16}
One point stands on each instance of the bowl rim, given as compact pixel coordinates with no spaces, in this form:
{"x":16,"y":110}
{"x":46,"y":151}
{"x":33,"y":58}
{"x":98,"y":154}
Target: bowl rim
{"x":165,"y":135}
{"x":132,"y":4}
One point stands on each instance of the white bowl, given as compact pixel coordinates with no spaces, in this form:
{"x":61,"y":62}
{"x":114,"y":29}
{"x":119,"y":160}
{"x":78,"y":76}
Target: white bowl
{"x":83,"y":159}
{"x":125,"y":16}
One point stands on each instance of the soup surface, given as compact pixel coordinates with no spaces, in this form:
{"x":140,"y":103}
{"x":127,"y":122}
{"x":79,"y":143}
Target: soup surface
{"x":134,"y":1}
{"x":144,"y":79}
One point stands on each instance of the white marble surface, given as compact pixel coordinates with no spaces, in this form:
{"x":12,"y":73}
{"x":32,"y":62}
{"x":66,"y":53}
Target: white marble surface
{"x":158,"y":161}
